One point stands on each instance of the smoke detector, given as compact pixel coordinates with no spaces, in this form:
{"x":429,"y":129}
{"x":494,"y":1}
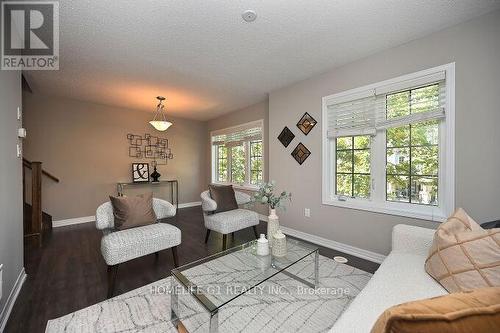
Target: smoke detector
{"x":249,"y":15}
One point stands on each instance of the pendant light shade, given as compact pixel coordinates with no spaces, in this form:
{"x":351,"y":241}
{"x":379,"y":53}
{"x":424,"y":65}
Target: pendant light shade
{"x":159,"y":121}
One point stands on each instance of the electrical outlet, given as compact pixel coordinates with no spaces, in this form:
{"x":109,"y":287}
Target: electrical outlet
{"x":307,"y":212}
{"x":19,"y":151}
{"x":19,"y":113}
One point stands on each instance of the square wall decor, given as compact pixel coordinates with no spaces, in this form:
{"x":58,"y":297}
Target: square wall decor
{"x":301,"y":153}
{"x":286,"y":136}
{"x":306,"y":123}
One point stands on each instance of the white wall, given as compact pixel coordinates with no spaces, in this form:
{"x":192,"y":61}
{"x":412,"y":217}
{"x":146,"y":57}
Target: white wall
{"x":11,"y":214}
{"x":475,"y":48}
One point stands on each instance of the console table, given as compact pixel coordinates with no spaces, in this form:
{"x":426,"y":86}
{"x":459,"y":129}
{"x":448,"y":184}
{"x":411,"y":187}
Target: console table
{"x":173,"y":184}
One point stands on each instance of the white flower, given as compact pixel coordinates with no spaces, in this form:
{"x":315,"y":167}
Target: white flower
{"x":264,"y":199}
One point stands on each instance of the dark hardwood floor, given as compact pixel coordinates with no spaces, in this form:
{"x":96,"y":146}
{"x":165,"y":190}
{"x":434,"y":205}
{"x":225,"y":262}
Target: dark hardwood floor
{"x":68,"y":273}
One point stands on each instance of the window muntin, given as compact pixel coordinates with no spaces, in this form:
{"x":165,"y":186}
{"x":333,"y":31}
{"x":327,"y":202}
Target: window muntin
{"x":256,"y":173}
{"x":412,"y":163}
{"x":221,"y":164}
{"x":353,"y":166}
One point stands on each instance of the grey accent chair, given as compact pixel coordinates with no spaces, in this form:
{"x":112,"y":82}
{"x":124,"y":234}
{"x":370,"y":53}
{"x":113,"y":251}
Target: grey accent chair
{"x":230,"y":221}
{"x":124,"y":245}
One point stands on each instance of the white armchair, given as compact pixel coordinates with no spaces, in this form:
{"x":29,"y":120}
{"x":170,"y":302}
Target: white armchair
{"x":229,"y":221}
{"x":124,"y":245}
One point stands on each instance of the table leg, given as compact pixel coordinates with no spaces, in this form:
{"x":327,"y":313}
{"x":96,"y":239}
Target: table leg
{"x":174,"y":302}
{"x":316,"y":268}
{"x":214,"y":322}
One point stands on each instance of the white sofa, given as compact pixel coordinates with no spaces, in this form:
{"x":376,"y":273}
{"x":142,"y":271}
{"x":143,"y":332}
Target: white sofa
{"x":401,"y":278}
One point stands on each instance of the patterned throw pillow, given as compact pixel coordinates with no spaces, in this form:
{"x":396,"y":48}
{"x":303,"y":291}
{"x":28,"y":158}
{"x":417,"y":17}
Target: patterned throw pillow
{"x":463,"y":255}
{"x":477,"y":311}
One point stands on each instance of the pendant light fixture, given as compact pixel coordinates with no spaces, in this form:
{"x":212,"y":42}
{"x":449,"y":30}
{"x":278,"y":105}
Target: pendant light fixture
{"x":159,"y":121}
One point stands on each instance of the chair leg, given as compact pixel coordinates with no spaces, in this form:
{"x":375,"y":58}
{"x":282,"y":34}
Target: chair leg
{"x":112,"y":272}
{"x":224,"y":242}
{"x":232,"y":236}
{"x":176,"y":258}
{"x":206,"y":236}
{"x":255,"y":231}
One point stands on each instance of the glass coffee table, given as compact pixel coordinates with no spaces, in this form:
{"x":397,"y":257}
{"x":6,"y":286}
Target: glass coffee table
{"x":219,"y":279}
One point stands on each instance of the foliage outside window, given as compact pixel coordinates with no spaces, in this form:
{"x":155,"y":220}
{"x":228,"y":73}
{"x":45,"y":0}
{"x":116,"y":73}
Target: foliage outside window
{"x":221,"y":163}
{"x":353,"y":166}
{"x":256,"y":176}
{"x":412,"y":151}
{"x":238,"y":164}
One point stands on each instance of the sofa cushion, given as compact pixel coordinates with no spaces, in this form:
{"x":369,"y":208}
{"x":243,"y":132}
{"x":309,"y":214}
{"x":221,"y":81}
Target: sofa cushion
{"x":121,"y":246}
{"x":400,"y":278}
{"x":224,"y":196}
{"x":477,"y":311}
{"x":230,"y":221}
{"x":131,"y":212}
{"x":463,"y":255}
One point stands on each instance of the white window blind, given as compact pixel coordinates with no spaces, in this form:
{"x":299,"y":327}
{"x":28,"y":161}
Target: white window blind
{"x":237,"y":135}
{"x":352,"y":115}
{"x":366,"y":112}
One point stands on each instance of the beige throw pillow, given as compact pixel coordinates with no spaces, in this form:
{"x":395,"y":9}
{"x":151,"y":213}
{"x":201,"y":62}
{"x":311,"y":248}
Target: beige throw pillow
{"x":131,"y":212}
{"x":463,"y":255}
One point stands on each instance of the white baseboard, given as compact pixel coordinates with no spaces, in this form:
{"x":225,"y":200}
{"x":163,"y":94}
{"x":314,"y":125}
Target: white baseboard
{"x":331,"y":244}
{"x":190,"y":204}
{"x":76,"y":220}
{"x":87,"y":219}
{"x":4,"y":315}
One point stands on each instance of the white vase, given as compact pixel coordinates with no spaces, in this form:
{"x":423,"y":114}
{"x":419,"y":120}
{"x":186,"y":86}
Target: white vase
{"x":279,"y":244}
{"x":273,"y":224}
{"x":262,"y":246}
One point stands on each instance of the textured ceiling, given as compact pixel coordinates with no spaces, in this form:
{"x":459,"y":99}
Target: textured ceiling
{"x":207,"y":61}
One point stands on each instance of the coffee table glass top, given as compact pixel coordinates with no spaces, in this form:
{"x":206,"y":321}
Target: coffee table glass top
{"x":222,"y":277}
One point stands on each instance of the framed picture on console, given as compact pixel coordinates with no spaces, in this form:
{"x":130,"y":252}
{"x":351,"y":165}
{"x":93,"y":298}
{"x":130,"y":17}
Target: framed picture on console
{"x":140,"y":172}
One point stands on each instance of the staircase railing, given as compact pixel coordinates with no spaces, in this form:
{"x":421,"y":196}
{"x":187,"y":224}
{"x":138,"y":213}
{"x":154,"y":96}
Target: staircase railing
{"x":35,"y":225}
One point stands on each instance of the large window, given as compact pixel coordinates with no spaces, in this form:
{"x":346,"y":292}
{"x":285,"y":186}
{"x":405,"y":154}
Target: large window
{"x":388,"y":147}
{"x":237,"y":155}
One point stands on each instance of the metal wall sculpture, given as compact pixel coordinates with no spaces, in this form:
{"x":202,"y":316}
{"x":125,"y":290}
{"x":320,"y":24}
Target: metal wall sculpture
{"x":149,"y":147}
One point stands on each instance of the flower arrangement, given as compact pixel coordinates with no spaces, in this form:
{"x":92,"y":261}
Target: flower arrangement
{"x":265,"y":195}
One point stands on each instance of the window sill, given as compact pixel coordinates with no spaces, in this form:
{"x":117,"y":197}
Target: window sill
{"x":245,"y":187}
{"x":429,"y":213}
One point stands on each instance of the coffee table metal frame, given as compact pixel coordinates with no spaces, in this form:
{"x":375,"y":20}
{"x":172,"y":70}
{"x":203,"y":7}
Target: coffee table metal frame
{"x":213,"y":309}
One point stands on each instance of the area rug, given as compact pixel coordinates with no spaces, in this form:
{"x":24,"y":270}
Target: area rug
{"x":281,"y":304}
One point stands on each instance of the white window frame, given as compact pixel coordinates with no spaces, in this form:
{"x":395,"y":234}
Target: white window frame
{"x":246,"y":185}
{"x":377,"y":201}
